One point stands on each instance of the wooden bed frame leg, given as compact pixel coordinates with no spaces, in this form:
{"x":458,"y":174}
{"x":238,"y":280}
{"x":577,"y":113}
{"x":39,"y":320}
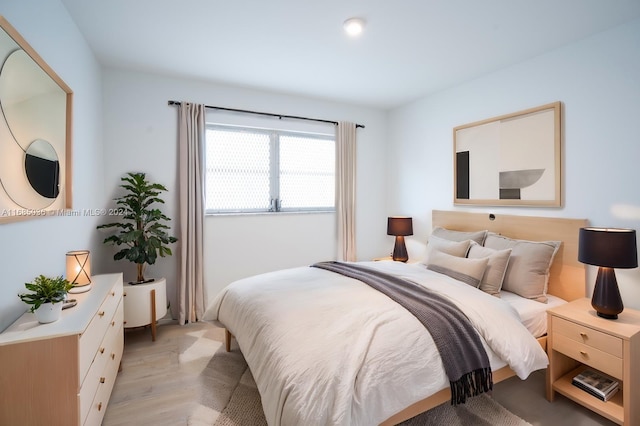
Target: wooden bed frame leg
{"x":227,"y":339}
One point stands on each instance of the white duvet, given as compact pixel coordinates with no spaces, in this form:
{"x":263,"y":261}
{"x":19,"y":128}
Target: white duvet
{"x":325,"y":349}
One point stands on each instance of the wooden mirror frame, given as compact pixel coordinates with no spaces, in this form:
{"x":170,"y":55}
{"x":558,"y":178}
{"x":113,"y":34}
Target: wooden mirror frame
{"x":10,"y":210}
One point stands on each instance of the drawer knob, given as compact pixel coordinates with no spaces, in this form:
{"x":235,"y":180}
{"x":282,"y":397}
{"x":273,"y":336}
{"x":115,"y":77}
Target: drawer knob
{"x":101,"y":350}
{"x":113,"y":293}
{"x":99,"y":406}
{"x":583,"y":335}
{"x":113,"y":323}
{"x":584,"y":354}
{"x":113,"y":356}
{"x":101,"y":314}
{"x":102,"y":379}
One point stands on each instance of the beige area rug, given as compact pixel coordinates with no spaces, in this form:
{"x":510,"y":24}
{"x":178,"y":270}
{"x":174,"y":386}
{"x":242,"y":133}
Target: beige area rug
{"x":186,"y":377}
{"x":244,"y":407}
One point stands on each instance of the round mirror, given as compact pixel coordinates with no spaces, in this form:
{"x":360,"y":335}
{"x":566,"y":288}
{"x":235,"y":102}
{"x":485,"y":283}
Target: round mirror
{"x":42,"y":168}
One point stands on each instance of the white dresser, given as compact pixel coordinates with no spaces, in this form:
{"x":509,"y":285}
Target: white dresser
{"x":62,"y":373}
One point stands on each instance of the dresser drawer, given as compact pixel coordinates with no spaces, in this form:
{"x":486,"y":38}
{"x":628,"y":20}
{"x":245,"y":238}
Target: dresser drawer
{"x":588,"y":336}
{"x":92,"y":336}
{"x":588,"y":355}
{"x":101,"y":400}
{"x":108,"y":349}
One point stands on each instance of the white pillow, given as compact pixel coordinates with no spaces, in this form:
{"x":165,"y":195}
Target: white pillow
{"x":496,"y":267}
{"x":469,"y":271}
{"x":527,"y":274}
{"x":454,"y":248}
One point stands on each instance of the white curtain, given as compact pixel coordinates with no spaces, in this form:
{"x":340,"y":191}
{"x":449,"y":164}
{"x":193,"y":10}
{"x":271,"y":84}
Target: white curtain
{"x":346,"y":190}
{"x":191,"y":137}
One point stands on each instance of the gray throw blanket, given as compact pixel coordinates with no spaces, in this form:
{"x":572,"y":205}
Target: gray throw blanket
{"x":465,"y":360}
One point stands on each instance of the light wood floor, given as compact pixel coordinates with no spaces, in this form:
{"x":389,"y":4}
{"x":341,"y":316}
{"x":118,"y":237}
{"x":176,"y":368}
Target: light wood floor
{"x":160,"y":382}
{"x":156,"y":387}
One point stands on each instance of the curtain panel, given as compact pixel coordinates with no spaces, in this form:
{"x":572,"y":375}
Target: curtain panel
{"x":346,"y":190}
{"x":191,"y":169}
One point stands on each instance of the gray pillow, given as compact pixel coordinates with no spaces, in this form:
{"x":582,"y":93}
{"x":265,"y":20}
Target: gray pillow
{"x":528,"y":271}
{"x":454,"y":248}
{"x":496,"y":267}
{"x":469,"y":271}
{"x":451,"y":235}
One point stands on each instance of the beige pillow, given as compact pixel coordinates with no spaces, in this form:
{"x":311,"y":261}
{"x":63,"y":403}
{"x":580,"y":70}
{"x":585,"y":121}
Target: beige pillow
{"x":454,"y":248}
{"x":451,"y":235}
{"x":528,"y":271}
{"x":469,"y":271}
{"x":496,"y":267}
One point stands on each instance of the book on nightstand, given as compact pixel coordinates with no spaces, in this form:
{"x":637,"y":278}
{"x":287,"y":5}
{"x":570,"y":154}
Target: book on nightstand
{"x":597,"y":384}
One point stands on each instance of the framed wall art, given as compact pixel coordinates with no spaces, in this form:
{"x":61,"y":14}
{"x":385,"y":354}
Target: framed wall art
{"x":511,"y":160}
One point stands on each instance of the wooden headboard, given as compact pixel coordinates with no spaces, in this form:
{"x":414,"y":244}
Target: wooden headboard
{"x":567,"y":278}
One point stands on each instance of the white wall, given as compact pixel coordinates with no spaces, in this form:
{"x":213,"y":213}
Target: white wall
{"x":141,"y":135}
{"x":38,"y":246}
{"x":596,"y":79}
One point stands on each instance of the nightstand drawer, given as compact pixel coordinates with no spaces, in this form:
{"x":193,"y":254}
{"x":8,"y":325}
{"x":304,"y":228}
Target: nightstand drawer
{"x":589,"y":355}
{"x":588,"y":336}
{"x":578,"y":338}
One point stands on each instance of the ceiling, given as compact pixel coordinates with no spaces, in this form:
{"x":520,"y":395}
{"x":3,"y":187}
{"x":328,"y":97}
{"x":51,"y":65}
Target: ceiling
{"x":409,"y":48}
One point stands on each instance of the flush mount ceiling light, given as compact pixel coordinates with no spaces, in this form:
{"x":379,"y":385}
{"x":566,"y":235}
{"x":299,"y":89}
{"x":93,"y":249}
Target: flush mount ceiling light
{"x":354,"y":26}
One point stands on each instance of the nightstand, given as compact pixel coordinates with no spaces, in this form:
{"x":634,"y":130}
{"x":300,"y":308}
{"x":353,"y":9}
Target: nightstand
{"x":577,"y":337}
{"x":378,"y":259}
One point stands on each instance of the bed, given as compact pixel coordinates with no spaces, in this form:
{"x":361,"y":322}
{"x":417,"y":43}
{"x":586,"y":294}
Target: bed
{"x":326,"y":349}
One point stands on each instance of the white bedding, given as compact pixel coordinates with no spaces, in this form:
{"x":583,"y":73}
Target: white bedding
{"x":327,"y":349}
{"x":533,"y":314}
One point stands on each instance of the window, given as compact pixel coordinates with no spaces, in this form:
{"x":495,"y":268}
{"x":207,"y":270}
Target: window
{"x":261,"y":170}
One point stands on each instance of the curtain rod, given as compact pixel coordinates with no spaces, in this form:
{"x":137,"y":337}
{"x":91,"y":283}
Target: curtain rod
{"x":280,"y":116}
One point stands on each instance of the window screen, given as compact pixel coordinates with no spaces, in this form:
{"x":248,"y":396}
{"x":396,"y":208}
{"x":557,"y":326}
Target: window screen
{"x":260,"y":170}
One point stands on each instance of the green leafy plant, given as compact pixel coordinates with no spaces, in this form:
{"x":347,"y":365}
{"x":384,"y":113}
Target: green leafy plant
{"x":45,"y":290}
{"x":142,"y":230}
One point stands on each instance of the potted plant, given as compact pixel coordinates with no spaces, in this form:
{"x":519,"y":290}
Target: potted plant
{"x":47,"y":297}
{"x":142,"y":230}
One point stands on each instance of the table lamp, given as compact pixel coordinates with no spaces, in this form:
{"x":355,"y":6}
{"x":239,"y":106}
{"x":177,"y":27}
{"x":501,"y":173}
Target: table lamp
{"x":79,"y":271}
{"x":607,"y":248}
{"x":400,"y":227}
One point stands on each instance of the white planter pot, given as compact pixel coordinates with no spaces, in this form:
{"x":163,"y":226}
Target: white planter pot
{"x":49,"y":312}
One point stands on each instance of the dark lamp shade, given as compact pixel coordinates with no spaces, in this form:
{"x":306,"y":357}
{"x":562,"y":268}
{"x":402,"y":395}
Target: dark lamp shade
{"x":399,"y":226}
{"x":608,"y":247}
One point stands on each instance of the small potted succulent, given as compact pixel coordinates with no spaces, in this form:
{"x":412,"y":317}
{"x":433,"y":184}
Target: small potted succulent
{"x":47,"y":297}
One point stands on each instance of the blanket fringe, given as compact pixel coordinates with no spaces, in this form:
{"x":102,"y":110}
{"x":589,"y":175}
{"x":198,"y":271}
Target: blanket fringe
{"x":471,"y":384}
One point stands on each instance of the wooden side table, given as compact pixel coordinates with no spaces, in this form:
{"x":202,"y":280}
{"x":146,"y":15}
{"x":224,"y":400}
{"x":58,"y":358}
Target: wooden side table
{"x":577,"y":337}
{"x":144,"y":304}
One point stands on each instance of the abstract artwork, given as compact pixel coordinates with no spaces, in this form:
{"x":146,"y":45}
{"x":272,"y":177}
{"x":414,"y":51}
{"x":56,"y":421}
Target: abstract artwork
{"x":511,"y":160}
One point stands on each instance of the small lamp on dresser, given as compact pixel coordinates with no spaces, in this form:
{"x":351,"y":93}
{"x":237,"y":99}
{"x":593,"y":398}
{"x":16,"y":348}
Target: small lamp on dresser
{"x":400,"y":227}
{"x":79,"y":271}
{"x":607,"y":248}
